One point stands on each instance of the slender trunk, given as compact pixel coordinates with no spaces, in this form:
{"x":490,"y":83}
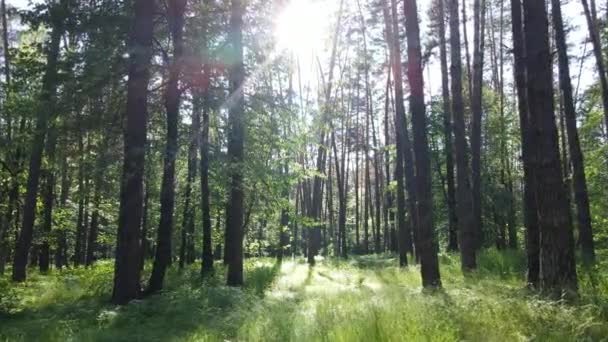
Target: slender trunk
{"x":447,"y":131}
{"x":341,"y":197}
{"x":284,"y":223}
{"x":80,"y":248}
{"x":557,"y":267}
{"x":467,"y":53}
{"x":402,"y":140}
{"x":46,"y":107}
{"x":377,"y":188}
{"x":98,"y":180}
{"x":367,"y":198}
{"x":7,"y":72}
{"x":145,"y":249}
{"x":581,"y":196}
{"x":48,"y":200}
{"x":186,"y":254}
{"x":207,"y":256}
{"x":61,"y":254}
{"x":356,"y":180}
{"x":464,"y":203}
{"x":476,"y":101}
{"x":162,"y":258}
{"x":6,"y":219}
{"x":128,"y":249}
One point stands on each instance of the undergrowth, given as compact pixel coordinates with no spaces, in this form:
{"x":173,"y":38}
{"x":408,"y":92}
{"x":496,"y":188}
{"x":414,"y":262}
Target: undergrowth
{"x":363,"y":298}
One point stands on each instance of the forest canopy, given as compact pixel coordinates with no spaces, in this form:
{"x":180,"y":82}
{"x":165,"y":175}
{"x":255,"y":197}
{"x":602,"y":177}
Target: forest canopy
{"x":321,"y":158}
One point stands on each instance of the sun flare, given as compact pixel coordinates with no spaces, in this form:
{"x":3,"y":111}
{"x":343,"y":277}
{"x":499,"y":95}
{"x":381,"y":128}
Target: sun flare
{"x":300,"y":27}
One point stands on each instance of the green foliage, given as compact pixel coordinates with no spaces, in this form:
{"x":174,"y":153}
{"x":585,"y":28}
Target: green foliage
{"x":363,"y":299}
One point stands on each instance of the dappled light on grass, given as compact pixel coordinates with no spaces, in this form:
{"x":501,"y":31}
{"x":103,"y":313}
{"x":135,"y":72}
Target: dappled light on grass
{"x":361,"y":299}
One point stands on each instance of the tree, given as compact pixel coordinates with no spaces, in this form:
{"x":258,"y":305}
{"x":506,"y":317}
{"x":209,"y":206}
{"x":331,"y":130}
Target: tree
{"x":46,"y":106}
{"x":205,"y":98}
{"x":404,"y":234}
{"x":234,"y":210}
{"x":557,"y":267}
{"x":186,"y":250}
{"x":175,"y":14}
{"x":527,"y":138}
{"x":476,"y":100}
{"x":576,"y":155}
{"x":447,"y":130}
{"x":463,"y":190}
{"x":127,"y":264}
{"x":426,"y":246}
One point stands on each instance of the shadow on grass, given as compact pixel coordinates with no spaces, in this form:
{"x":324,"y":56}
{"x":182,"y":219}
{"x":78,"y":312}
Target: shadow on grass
{"x":187,"y":306}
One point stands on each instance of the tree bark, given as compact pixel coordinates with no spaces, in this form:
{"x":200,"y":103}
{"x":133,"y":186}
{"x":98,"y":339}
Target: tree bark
{"x":581,"y":196}
{"x":476,"y":100}
{"x":162,"y":258}
{"x":557,"y":267}
{"x":61,"y":253}
{"x":234,"y":217}
{"x":128,"y":249}
{"x":48,"y":200}
{"x":81,"y":233}
{"x":527,"y":138}
{"x":447,"y":131}
{"x":464,"y":203}
{"x":426,"y":245}
{"x":186,"y":252}
{"x":400,"y":129}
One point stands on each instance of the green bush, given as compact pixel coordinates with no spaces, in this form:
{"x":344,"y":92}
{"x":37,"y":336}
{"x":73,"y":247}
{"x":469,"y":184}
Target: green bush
{"x":9,"y":300}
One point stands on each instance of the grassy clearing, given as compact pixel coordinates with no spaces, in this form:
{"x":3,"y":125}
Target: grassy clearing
{"x":362,"y":299}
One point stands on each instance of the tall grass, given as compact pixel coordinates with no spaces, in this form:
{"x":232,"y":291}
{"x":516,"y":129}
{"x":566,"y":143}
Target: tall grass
{"x":360,"y":299}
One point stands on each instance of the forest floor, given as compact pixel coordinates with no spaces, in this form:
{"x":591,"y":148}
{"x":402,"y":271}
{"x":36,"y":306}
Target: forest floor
{"x":360,"y":299}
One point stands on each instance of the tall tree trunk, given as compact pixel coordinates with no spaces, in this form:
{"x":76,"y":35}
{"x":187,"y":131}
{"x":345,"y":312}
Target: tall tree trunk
{"x":100,"y":168}
{"x":391,"y":25}
{"x":426,"y":245}
{"x":61,"y":253}
{"x":377,"y":188}
{"x":6,"y":219}
{"x":48,"y":200}
{"x":162,"y":258}
{"x":367,"y":198}
{"x":234,"y":217}
{"x":464,"y":203}
{"x":557,"y":267}
{"x":284,"y":223}
{"x":207,"y":256}
{"x":46,"y":107}
{"x":356,"y":180}
{"x":388,"y":213}
{"x":128,"y":249}
{"x":576,"y":156}
{"x":447,"y":131}
{"x":476,"y":100}
{"x":527,"y":138}
{"x":81,"y":233}
{"x":186,"y":252}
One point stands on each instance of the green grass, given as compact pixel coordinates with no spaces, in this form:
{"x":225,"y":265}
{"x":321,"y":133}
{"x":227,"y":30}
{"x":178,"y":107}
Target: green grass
{"x":361,"y":299}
